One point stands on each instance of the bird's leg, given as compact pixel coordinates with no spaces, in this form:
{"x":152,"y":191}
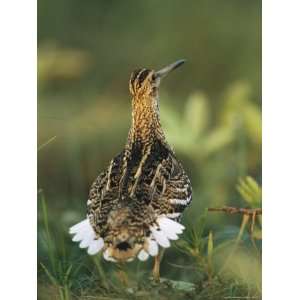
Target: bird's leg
{"x":122,"y":276}
{"x":156,"y":267}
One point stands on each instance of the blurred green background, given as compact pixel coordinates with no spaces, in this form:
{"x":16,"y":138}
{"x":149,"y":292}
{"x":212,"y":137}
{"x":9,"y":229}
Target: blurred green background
{"x":210,"y":110}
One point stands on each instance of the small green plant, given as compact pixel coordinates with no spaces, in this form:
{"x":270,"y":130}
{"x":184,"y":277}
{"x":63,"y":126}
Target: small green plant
{"x":250,"y":191}
{"x":59,"y":272}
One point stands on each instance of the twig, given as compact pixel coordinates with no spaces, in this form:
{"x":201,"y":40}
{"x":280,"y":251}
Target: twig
{"x":247,"y":214}
{"x":236,"y":210}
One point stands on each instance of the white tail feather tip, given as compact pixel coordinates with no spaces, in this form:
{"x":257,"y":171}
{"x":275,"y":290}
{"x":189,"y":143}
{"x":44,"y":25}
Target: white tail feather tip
{"x":143,"y":255}
{"x":170,"y":224}
{"x":84,"y":233}
{"x":107,"y":256}
{"x":152,"y":248}
{"x":95,"y":246}
{"x":75,"y":228}
{"x":160,"y":237}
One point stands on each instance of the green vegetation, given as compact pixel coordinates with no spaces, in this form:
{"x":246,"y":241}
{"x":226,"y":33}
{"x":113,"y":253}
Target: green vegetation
{"x":223,"y":265}
{"x":211,"y":113}
{"x":218,"y":256}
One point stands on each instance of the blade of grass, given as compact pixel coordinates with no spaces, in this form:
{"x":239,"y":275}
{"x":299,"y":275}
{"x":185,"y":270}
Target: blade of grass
{"x":48,"y":239}
{"x":100,"y":271}
{"x":236,"y":243}
{"x":46,"y":143}
{"x":50,"y":276}
{"x":210,"y":248}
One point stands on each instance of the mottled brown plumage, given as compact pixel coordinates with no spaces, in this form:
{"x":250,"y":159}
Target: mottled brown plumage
{"x":136,"y":204}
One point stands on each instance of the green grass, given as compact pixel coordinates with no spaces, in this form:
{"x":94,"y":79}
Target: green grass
{"x":214,"y":265}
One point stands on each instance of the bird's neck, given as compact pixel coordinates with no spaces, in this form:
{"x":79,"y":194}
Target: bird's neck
{"x":145,"y":123}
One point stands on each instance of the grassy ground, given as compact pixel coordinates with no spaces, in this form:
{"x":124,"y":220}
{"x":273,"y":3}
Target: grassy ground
{"x":199,"y":266}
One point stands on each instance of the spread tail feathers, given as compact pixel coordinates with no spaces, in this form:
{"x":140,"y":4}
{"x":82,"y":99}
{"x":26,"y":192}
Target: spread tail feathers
{"x":84,"y":233}
{"x":162,"y":232}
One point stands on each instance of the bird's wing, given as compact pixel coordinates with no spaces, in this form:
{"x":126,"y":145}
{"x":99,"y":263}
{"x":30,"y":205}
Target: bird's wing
{"x":171,"y":188}
{"x":103,"y":195}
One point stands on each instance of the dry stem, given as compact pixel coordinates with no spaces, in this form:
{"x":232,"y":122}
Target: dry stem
{"x":235,"y":210}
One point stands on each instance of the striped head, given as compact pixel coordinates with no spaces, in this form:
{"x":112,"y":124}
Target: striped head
{"x":145,"y":82}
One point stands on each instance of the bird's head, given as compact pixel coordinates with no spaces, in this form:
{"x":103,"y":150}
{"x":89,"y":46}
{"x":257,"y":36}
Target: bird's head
{"x":144,"y":83}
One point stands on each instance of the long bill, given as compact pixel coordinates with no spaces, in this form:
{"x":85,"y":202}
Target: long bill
{"x":166,"y":70}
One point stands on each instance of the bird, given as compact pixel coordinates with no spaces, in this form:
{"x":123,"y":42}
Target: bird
{"x":135,"y":206}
